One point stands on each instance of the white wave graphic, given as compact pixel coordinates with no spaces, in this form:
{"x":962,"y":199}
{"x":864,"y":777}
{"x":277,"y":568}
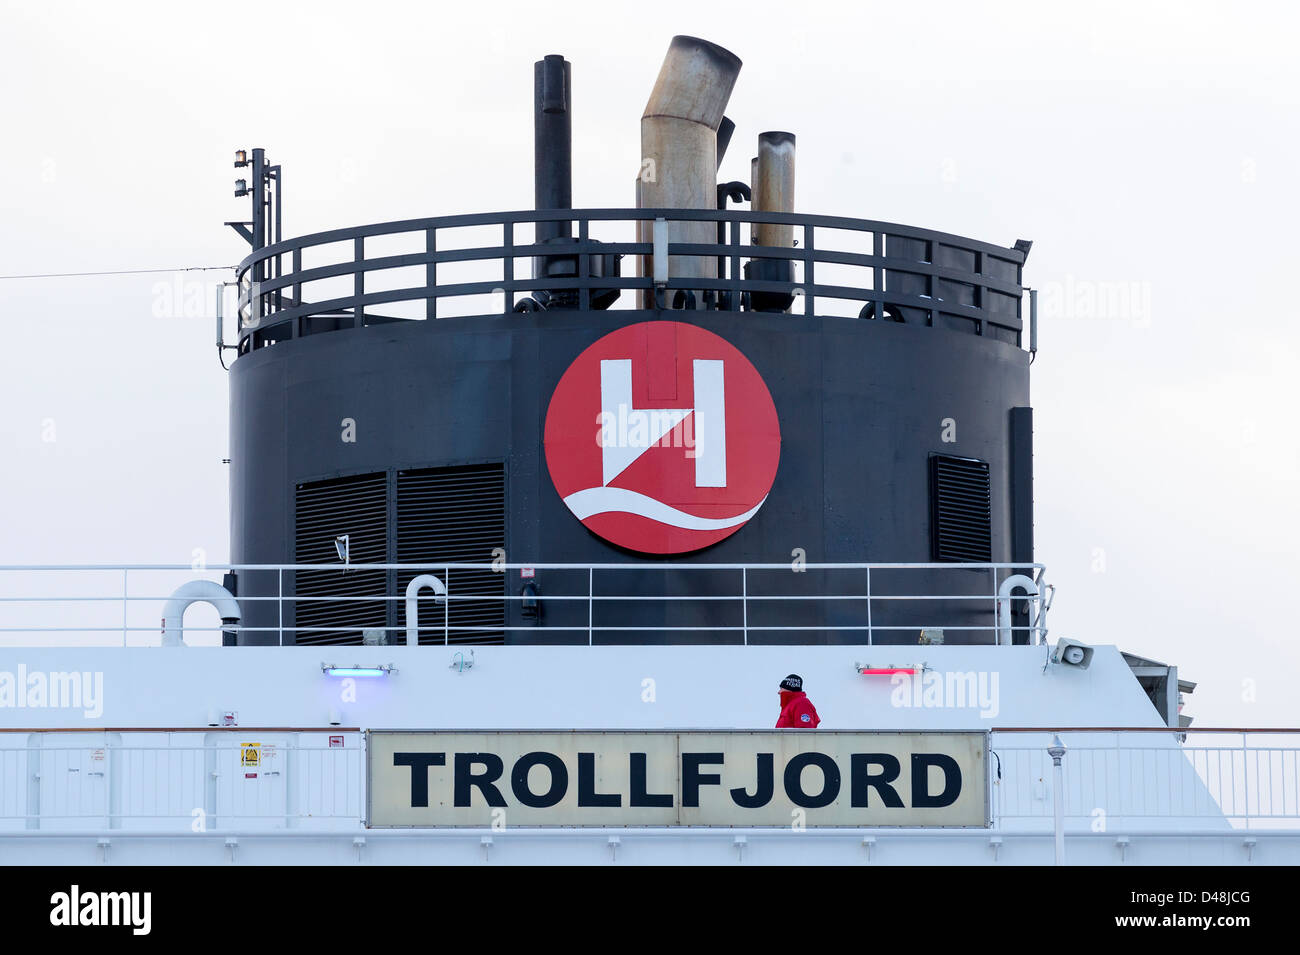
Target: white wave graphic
{"x":604,"y":500}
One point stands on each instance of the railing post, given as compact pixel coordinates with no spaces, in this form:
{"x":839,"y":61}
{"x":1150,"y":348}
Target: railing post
{"x":290,"y":781}
{"x":446,"y":608}
{"x":870,"y":633}
{"x":125,"y":604}
{"x":113,"y":779}
{"x":430,"y":273}
{"x":808,"y":277}
{"x":877,"y":273}
{"x":279,"y":601}
{"x":358,"y":281}
{"x":1056,"y":751}
{"x":1245,"y":779}
{"x":733,"y":274}
{"x":997,"y":624}
{"x":744,"y":601}
{"x":508,"y":266}
{"x":591,"y":573}
{"x":32,"y":808}
{"x":297,"y":286}
{"x":584,"y":268}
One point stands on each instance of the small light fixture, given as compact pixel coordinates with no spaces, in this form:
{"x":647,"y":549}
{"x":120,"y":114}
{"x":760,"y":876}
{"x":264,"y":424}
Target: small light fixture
{"x":343,"y":547}
{"x":384,"y":669}
{"x":241,"y":187}
{"x":241,"y":158}
{"x":529,"y":607}
{"x":866,"y":669}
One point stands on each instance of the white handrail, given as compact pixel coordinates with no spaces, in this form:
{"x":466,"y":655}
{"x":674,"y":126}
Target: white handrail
{"x":413,"y":603}
{"x":195,"y":591}
{"x":1004,"y":604}
{"x":961,"y":602}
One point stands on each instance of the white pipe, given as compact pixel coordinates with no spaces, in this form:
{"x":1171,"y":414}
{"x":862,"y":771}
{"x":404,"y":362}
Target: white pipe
{"x":195,"y":591}
{"x":1004,"y":604}
{"x":413,"y":604}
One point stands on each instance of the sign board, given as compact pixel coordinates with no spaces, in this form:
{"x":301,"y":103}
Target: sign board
{"x":688,"y":778}
{"x":336,"y":742}
{"x":249,"y":754}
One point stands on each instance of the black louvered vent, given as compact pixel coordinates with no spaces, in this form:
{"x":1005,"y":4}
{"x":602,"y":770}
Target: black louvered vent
{"x":961,"y":510}
{"x":358,"y":507}
{"x":457,"y":515}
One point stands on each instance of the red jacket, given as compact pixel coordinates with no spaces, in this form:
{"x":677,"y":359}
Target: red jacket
{"x":797,"y":712}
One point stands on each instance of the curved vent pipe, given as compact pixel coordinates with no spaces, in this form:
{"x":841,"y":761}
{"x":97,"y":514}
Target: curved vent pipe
{"x":679,"y":146}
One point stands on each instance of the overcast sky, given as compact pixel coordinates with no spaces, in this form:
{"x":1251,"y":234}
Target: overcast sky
{"x":1149,"y":150}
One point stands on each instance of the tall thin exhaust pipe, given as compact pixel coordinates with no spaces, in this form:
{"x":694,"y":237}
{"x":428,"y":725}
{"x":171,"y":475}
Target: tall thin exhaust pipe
{"x":553,"y":189}
{"x":753,"y":191}
{"x":552,"y":147}
{"x":774,"y":186}
{"x":773,"y":191}
{"x":679,"y":147}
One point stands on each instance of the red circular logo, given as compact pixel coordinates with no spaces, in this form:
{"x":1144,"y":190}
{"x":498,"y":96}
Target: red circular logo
{"x":662,"y":438}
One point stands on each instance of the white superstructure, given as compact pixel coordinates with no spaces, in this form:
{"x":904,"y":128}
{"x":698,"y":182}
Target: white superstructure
{"x":218,"y":755}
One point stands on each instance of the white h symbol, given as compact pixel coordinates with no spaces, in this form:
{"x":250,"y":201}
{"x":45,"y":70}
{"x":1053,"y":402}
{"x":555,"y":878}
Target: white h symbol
{"x":627,"y":433}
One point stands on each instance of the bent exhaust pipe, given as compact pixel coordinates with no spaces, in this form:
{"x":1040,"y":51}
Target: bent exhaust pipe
{"x":679,"y":148}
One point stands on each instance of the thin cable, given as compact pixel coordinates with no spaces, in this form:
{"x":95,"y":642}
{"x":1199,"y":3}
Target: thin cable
{"x":71,"y":275}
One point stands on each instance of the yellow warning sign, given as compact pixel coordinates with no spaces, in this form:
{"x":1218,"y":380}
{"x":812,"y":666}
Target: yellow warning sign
{"x":250,"y":754}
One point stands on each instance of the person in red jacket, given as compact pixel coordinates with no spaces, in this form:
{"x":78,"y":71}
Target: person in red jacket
{"x":797,"y":711}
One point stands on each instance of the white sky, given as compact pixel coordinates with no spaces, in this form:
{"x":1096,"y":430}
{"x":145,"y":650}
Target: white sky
{"x":1149,"y":150}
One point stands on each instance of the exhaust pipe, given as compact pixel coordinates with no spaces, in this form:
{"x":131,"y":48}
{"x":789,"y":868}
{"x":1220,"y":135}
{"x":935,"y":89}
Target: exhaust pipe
{"x":773,"y":190}
{"x":774,"y":186}
{"x":553,"y":189}
{"x":552,"y":145}
{"x":725,"y":132}
{"x":679,"y":147}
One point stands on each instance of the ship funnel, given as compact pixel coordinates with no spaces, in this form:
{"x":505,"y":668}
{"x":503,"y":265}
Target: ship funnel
{"x":773,"y":191}
{"x":679,"y":146}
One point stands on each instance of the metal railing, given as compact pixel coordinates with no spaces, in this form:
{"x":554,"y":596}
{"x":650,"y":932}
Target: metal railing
{"x":194,"y":780}
{"x":862,"y":603}
{"x":1117,"y":780}
{"x":909,"y":274}
{"x":1246,"y":778}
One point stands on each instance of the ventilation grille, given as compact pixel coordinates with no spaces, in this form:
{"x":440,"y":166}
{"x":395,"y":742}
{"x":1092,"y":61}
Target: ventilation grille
{"x":358,"y":507}
{"x":961,"y":510}
{"x":456,"y":515}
